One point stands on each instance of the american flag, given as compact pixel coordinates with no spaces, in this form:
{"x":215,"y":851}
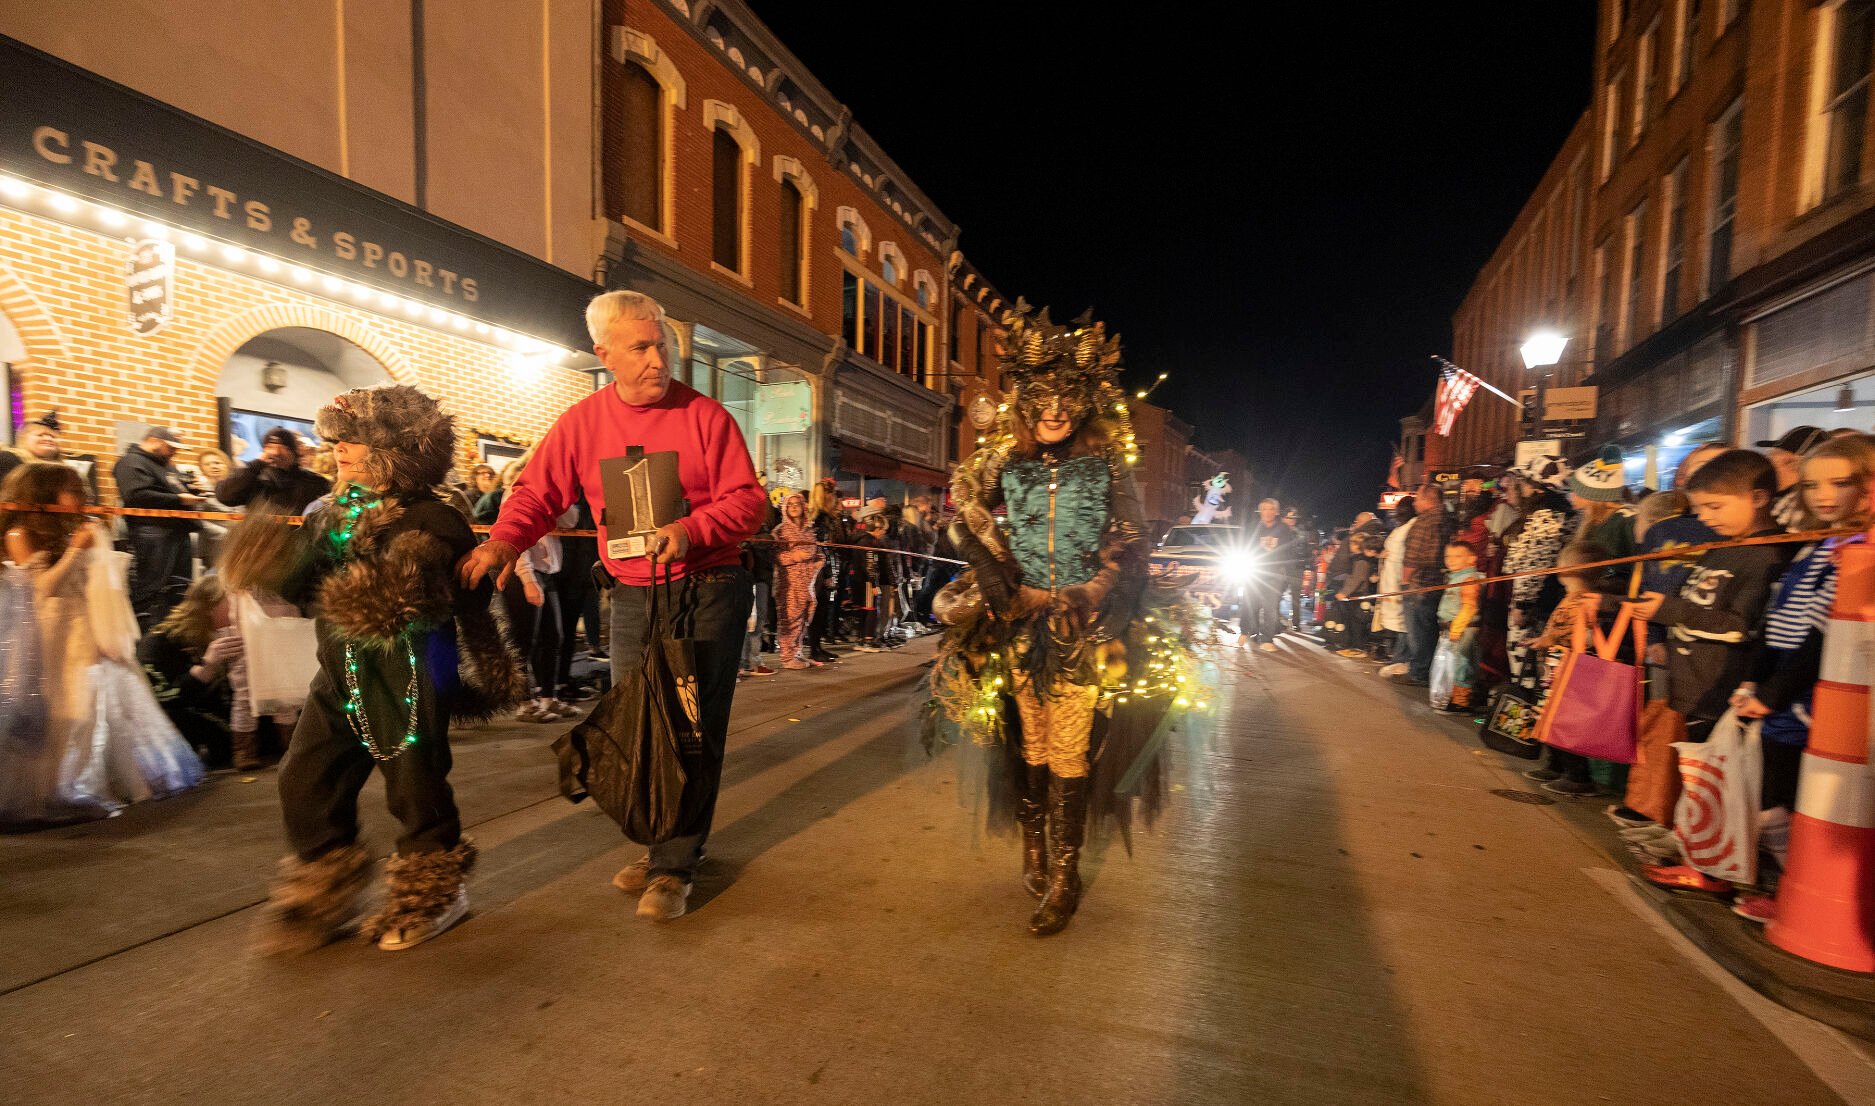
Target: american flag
{"x":1455,"y":391}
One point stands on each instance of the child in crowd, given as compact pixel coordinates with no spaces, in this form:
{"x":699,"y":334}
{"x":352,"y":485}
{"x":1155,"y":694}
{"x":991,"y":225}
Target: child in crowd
{"x":1458,"y":619}
{"x":1563,"y":772}
{"x":94,"y":739}
{"x":1714,"y":620}
{"x":1352,"y":618}
{"x":1788,"y":658}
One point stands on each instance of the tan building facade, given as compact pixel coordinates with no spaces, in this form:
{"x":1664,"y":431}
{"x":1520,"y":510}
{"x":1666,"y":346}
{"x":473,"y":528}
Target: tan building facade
{"x":299,"y":199}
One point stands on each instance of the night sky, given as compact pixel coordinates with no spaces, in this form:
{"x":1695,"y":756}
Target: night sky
{"x":1283,"y":216}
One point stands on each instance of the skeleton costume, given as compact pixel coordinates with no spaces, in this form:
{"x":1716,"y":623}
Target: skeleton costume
{"x":1061,"y":652}
{"x":402,"y":651}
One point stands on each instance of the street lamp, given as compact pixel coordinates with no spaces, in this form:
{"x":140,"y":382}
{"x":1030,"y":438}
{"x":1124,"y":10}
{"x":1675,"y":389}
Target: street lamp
{"x":1541,"y":351}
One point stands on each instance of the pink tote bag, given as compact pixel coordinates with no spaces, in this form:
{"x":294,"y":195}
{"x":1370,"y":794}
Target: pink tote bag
{"x":1594,"y":706}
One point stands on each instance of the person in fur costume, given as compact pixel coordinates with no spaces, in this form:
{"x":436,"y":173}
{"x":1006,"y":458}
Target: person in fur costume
{"x":403,"y":649}
{"x":1061,"y":653}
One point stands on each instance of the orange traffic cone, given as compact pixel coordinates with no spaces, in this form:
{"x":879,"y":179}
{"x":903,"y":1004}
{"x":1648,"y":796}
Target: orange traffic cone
{"x":1826,"y":902}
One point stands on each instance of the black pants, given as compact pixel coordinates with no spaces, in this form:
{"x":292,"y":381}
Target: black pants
{"x":160,"y":568}
{"x":712,"y":609}
{"x":573,"y":589}
{"x":1261,"y":620}
{"x":326,"y":766}
{"x":535,"y":632}
{"x":935,"y":577}
{"x":1783,"y":764}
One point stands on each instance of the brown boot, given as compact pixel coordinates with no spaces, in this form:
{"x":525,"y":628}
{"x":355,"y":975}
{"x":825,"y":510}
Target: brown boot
{"x":1032,"y":816}
{"x":246,"y":751}
{"x":314,"y":902}
{"x":1067,"y":825}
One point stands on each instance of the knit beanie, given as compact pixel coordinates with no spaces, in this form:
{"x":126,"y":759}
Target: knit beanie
{"x":1605,"y":479}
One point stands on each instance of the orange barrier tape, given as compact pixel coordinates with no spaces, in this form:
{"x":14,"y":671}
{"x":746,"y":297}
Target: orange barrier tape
{"x":297,"y":520}
{"x":1676,"y":553}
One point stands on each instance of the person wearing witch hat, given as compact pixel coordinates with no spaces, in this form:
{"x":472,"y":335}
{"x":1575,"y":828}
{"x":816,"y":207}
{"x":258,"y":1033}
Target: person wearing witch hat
{"x":39,"y":440}
{"x":403,"y":649}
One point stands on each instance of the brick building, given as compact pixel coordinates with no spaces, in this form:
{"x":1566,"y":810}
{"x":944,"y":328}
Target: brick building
{"x":1164,"y":442}
{"x":806,"y":274}
{"x":1722,"y":281}
{"x":191,"y":245}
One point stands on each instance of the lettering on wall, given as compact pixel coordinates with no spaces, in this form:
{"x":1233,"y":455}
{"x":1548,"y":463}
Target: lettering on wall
{"x":148,"y":284}
{"x":298,"y":236}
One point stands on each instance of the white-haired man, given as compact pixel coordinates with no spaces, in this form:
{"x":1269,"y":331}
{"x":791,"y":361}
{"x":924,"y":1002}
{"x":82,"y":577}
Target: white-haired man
{"x":645,"y":408}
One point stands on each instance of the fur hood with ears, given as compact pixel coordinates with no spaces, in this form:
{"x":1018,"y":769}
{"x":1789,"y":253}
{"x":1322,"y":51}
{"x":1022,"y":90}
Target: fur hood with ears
{"x":412,"y":441}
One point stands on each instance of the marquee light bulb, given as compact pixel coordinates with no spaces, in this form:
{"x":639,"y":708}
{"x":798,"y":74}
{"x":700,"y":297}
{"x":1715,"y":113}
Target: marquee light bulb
{"x":14,"y":187}
{"x":62,"y":202}
{"x":267,"y":264}
{"x":111,"y":217}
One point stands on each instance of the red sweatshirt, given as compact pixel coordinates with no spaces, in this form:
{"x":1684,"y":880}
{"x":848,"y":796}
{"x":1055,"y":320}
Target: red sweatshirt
{"x":726,"y":504}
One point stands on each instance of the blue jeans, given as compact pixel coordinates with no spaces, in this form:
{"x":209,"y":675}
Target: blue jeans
{"x":1422,"y":635}
{"x":712,"y":609}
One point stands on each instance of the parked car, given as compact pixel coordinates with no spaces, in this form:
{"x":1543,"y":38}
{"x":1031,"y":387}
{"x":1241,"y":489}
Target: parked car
{"x":1217,"y":558}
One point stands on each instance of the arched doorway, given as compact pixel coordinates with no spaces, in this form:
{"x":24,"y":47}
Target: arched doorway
{"x":281,"y":378}
{"x":12,"y":352}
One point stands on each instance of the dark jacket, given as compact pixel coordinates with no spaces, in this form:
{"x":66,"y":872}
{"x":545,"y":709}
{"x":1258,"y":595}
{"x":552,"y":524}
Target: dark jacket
{"x":1714,"y":623}
{"x":148,"y":482}
{"x":1286,"y":552}
{"x":263,"y":488}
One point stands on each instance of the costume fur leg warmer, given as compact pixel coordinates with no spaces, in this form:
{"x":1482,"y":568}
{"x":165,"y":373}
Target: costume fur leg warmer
{"x":420,"y":887}
{"x":314,"y":901}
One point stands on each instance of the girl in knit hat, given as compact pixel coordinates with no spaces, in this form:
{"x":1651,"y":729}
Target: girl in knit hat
{"x":1599,"y":490}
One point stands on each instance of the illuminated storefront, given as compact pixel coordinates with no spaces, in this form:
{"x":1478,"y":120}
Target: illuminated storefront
{"x":155,"y":268}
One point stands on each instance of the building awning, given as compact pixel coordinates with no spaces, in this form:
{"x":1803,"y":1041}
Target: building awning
{"x":864,"y":462}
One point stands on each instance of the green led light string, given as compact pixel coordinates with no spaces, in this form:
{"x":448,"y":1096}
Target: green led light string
{"x":354,"y":502}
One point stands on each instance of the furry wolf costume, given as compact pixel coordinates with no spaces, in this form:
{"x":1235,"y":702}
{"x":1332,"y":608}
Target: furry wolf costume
{"x":402,"y":651}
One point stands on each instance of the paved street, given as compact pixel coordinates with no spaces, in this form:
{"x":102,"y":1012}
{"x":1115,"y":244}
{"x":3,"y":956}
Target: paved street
{"x":1338,"y":910}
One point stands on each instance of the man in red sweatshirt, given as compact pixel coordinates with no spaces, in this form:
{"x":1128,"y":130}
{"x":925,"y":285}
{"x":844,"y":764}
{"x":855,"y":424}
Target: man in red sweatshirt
{"x":646,"y":408}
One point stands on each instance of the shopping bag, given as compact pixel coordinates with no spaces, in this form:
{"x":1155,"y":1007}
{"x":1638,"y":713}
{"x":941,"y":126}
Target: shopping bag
{"x":107,"y":601}
{"x":1716,"y":818}
{"x":639,"y":750}
{"x":1594,"y":704}
{"x":1654,"y":781}
{"x":281,"y":653}
{"x":1510,"y":728}
{"x":1444,"y":672}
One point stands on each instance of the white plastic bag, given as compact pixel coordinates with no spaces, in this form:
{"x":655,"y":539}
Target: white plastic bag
{"x":282,"y":654}
{"x":1716,"y":819}
{"x":1444,"y":672}
{"x":107,"y":600}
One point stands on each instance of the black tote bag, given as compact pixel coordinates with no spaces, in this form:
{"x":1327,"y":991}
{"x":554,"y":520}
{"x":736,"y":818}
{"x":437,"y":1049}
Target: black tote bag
{"x":637,"y":752}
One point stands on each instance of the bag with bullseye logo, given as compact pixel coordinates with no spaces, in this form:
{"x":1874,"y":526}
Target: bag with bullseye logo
{"x":638,"y":752}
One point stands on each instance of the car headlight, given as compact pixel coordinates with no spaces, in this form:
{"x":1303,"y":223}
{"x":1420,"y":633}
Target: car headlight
{"x":1236,"y":568}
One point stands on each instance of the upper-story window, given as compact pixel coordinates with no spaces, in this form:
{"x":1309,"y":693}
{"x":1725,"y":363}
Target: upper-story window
{"x":725,"y":200}
{"x":1724,"y":146}
{"x":891,"y":263}
{"x":1611,"y":122}
{"x":641,"y":93}
{"x":1634,"y":326}
{"x":855,"y":235}
{"x":1673,"y":252}
{"x":1646,"y":81}
{"x":924,"y":289}
{"x":793,"y":254}
{"x":1685,"y":44}
{"x":638,"y":170}
{"x":1846,"y":44}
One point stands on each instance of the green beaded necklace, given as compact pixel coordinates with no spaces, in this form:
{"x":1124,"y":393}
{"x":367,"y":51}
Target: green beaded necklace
{"x":353,"y":502}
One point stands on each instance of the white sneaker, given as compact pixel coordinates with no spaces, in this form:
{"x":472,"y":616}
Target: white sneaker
{"x":563,"y":709}
{"x":1387,"y":671}
{"x":404,"y":938}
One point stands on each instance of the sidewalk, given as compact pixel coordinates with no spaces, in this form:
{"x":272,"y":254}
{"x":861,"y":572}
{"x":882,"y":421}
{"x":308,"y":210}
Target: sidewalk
{"x":1844,"y":1000}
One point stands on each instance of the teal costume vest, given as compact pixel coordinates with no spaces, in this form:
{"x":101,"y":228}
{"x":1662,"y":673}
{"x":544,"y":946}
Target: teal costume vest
{"x":1057,"y":515}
